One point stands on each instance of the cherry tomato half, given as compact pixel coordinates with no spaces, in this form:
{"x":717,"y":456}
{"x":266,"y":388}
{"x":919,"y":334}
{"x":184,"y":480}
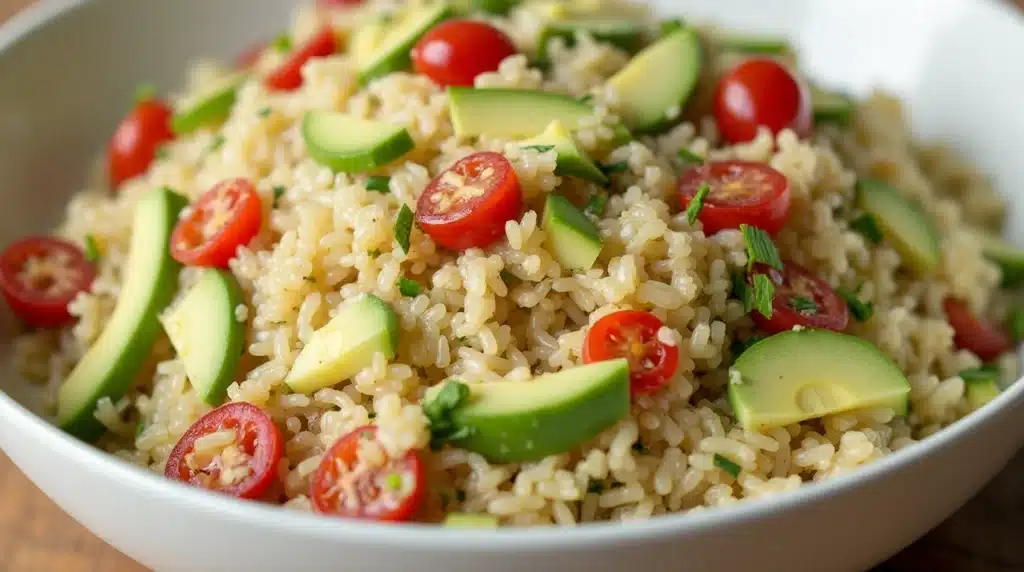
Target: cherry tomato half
{"x":454,"y":52}
{"x":742,"y":192}
{"x":633,"y":334}
{"x":288,"y":76}
{"x":138,"y":136}
{"x":468,"y":205}
{"x":225,"y":218}
{"x":801,"y":299}
{"x":245,"y":467}
{"x":338,"y":3}
{"x":758,"y":92}
{"x":986,"y":340}
{"x":356,"y":479}
{"x":40,"y":276}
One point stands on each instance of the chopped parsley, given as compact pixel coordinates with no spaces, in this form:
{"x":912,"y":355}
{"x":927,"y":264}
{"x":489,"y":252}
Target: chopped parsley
{"x":265,"y":112}
{"x":764,"y":292}
{"x":859,"y":309}
{"x":140,"y":427}
{"x":216,"y":142}
{"x":379,"y":184}
{"x":727,"y":465}
{"x":282,"y":43}
{"x":408,"y":287}
{"x":144,"y":92}
{"x":760,"y":248}
{"x":803,"y":305}
{"x":867,"y":226}
{"x":610,"y":168}
{"x":980,"y":374}
{"x":670,"y":26}
{"x":689,"y":157}
{"x":739,"y":346}
{"x":539,"y":148}
{"x":278,"y":192}
{"x":1015,"y":325}
{"x":403,"y":228}
{"x":438,"y":412}
{"x":92,"y":252}
{"x":697,"y":203}
{"x":162,"y":152}
{"x":597,"y":203}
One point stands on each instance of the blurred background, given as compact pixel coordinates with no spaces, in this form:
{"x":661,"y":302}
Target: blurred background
{"x":986,"y":535}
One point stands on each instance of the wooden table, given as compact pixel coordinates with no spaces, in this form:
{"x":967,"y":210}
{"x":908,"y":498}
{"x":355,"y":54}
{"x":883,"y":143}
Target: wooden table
{"x":35,"y":535}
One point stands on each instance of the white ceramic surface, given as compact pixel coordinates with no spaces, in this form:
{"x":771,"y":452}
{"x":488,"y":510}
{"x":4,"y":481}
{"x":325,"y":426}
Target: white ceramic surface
{"x":66,"y":71}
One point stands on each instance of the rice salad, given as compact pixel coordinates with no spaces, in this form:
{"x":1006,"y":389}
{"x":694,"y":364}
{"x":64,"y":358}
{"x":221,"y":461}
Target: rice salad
{"x":519,"y":288}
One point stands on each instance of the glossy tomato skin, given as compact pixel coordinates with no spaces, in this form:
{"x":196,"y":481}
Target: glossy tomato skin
{"x":260,"y":440}
{"x":288,"y":76}
{"x":454,"y":52}
{"x":375,"y":501}
{"x":986,"y":340}
{"x":224,"y":219}
{"x":742,"y":192}
{"x":831,"y":312}
{"x":761,"y":91}
{"x":35,"y":305}
{"x":633,"y":334}
{"x":468,"y":205}
{"x":136,"y":140}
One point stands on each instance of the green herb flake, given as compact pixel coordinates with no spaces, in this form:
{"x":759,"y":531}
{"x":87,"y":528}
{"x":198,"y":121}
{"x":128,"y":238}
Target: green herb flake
{"x":597,"y":203}
{"x":1015,"y":325}
{"x":639,"y":447}
{"x":727,"y":465}
{"x":140,"y":427}
{"x":587,"y":98}
{"x":371,"y":415}
{"x":265,"y":112}
{"x":539,"y":148}
{"x":760,"y":248}
{"x":92,"y":252}
{"x":162,"y":152}
{"x":689,"y":157}
{"x":311,"y":279}
{"x":670,"y":26}
{"x":867,"y":226}
{"x":403,"y":228}
{"x":595,"y":487}
{"x":408,"y":287}
{"x":739,"y":346}
{"x":374,"y":253}
{"x":764,"y":292}
{"x":506,"y":276}
{"x":438,"y":412}
{"x":282,"y":43}
{"x":278,"y":193}
{"x":145,"y":92}
{"x":610,"y":168}
{"x":215,"y":143}
{"x":803,"y":305}
{"x":379,"y":184}
{"x":697,"y":203}
{"x":982,"y":374}
{"x":393,"y":482}
{"x":859,"y":309}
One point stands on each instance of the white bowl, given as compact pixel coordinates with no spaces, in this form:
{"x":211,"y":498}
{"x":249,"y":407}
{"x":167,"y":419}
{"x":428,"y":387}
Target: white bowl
{"x":65,"y":69}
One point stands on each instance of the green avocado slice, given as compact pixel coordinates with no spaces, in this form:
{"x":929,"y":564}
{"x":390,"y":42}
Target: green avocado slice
{"x":570,"y":160}
{"x":209,"y":107}
{"x":347,"y":144}
{"x":910,"y":230}
{"x":571,"y":238}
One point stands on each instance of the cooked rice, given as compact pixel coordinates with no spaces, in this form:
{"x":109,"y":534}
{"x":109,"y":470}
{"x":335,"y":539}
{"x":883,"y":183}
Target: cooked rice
{"x":315,"y":252}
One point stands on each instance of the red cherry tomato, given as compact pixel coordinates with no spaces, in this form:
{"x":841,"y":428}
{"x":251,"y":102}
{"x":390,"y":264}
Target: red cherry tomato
{"x":759,"y":92}
{"x":250,"y":56}
{"x":245,"y":468}
{"x":40,"y":276}
{"x":356,"y":479}
{"x":138,"y":136}
{"x":986,"y":340}
{"x":633,"y":334}
{"x":454,"y":52}
{"x":468,"y":205}
{"x":227,"y":217}
{"x":801,"y":299}
{"x":288,"y":76}
{"x":742,"y":192}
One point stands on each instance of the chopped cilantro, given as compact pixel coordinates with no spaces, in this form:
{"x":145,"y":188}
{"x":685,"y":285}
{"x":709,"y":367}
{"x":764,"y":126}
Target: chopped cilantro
{"x":378,"y":184}
{"x":760,"y":248}
{"x":278,"y":192}
{"x":408,"y":287}
{"x":727,"y":465}
{"x":803,"y":305}
{"x":764,"y":292}
{"x":597,"y":203}
{"x":265,"y":112}
{"x":867,"y":226}
{"x":610,"y":168}
{"x":980,"y":374}
{"x":403,"y":228}
{"x":689,"y":157}
{"x":282,"y":43}
{"x":215,"y":143}
{"x":860,"y":310}
{"x":539,"y":148}
{"x":697,"y":203}
{"x":438,"y":413}
{"x":92,"y":252}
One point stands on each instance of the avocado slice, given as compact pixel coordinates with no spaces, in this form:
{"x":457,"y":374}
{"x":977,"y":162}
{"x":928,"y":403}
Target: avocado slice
{"x":831,"y":107}
{"x":361,"y":328}
{"x":110,"y":366}
{"x":753,"y":43}
{"x":571,"y":238}
{"x":515,"y":113}
{"x":655,"y":85}
{"x":384,"y":45}
{"x":511,"y":421}
{"x":470,"y":520}
{"x":910,"y":230}
{"x":624,"y":34}
{"x":203,"y":330}
{"x":796,"y":375}
{"x":348,"y":144}
{"x":1009,"y":257}
{"x":209,"y":107}
{"x":980,"y":392}
{"x":570,"y":160}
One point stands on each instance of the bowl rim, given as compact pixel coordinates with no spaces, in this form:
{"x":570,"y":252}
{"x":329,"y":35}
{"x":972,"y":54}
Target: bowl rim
{"x":430,"y":536}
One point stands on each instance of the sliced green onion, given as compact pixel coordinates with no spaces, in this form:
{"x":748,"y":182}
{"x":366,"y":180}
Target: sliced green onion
{"x":539,"y":148}
{"x":859,"y":309}
{"x":379,"y":184}
{"x":803,"y":305}
{"x":727,"y":465}
{"x":282,"y":43}
{"x":265,"y":112}
{"x":403,"y":228}
{"x":597,"y":203}
{"x":408,"y":287}
{"x":610,"y":168}
{"x":689,"y":157}
{"x":278,"y":192}
{"x":697,"y":203}
{"x":867,"y":226}
{"x":980,"y":374}
{"x":92,"y":252}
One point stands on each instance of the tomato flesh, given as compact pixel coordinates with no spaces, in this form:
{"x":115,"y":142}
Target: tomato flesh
{"x":742,"y":192}
{"x":135,"y":141}
{"x":288,"y":76}
{"x":454,"y":52}
{"x":224,"y":219}
{"x":633,"y":334}
{"x":40,"y":276}
{"x":801,"y":299}
{"x":761,"y":92}
{"x":245,"y":467}
{"x":468,"y":205}
{"x":986,"y":340}
{"x":357,"y":479}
